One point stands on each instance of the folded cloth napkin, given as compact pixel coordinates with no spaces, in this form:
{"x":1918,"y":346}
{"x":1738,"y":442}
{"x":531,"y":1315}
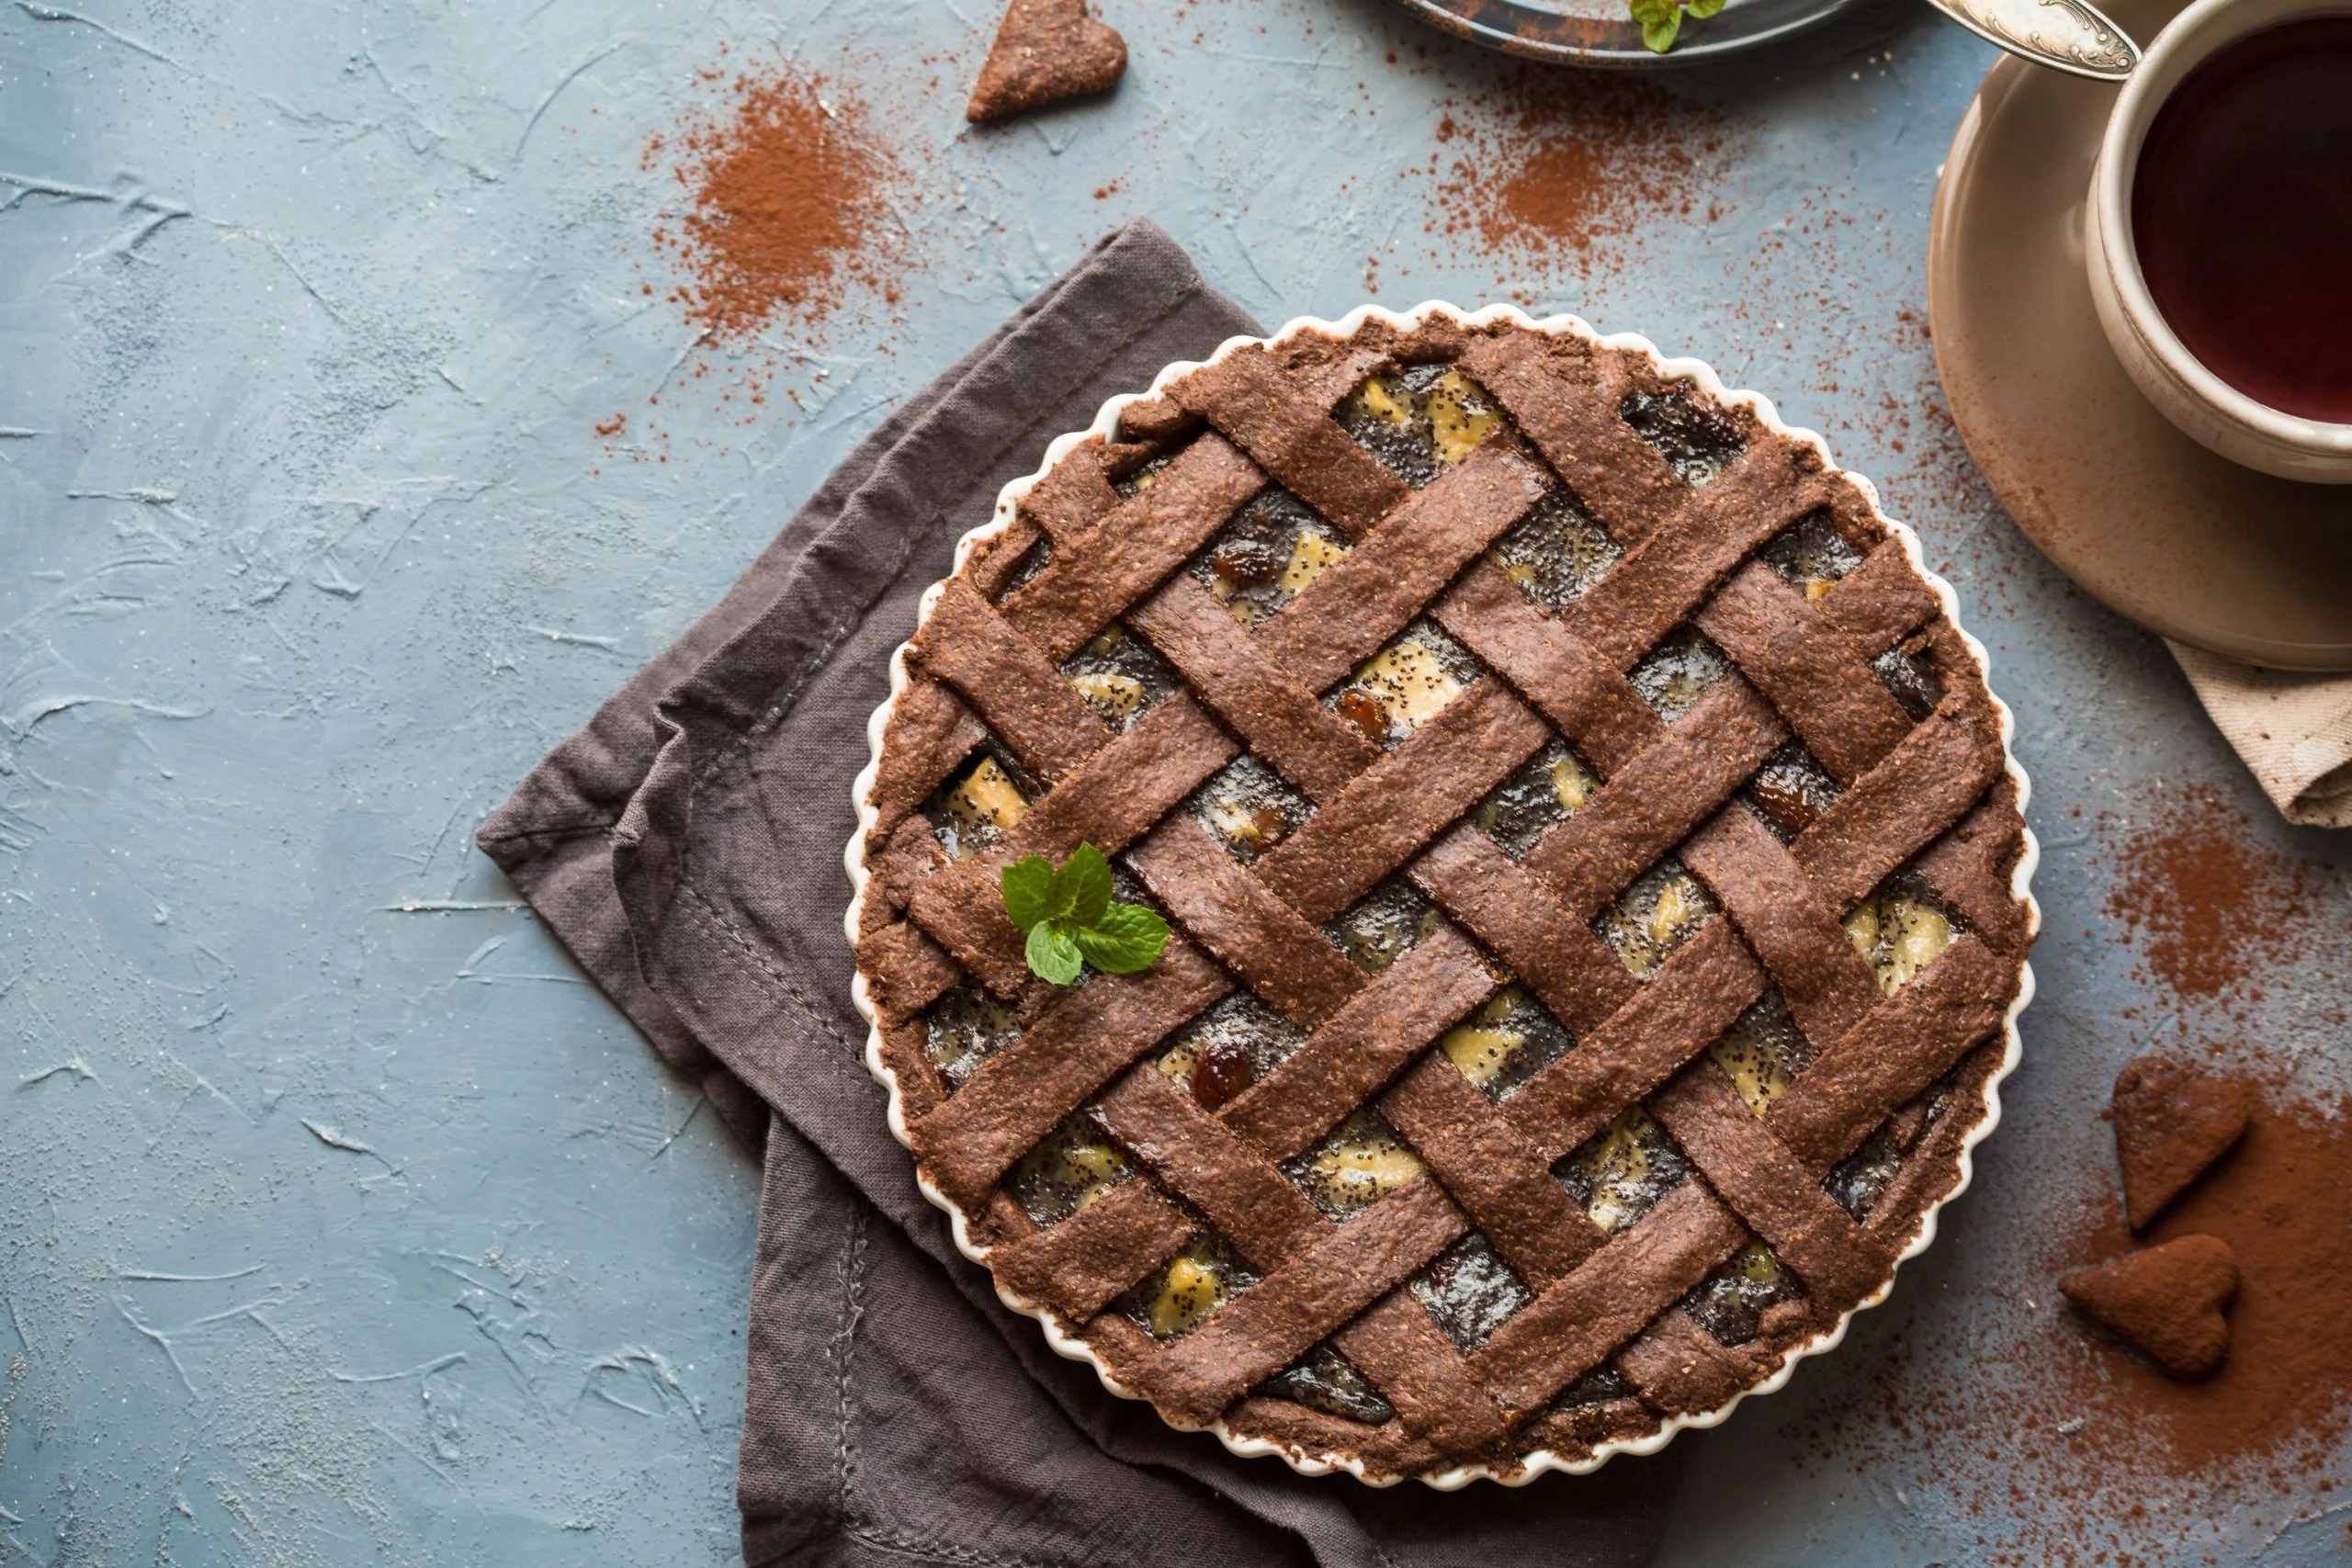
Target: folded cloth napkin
{"x":687,"y":846}
{"x":2294,"y":731}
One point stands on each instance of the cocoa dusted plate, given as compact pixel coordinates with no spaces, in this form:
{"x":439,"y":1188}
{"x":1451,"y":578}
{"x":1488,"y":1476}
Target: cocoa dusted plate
{"x":1603,"y":33}
{"x":1590,"y":865}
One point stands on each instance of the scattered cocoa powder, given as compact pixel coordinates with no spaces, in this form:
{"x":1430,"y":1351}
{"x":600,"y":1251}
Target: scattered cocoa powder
{"x":788,"y":205}
{"x":2064,"y":1447}
{"x":2283,"y":1202}
{"x":2207,"y":906}
{"x":1549,"y":166}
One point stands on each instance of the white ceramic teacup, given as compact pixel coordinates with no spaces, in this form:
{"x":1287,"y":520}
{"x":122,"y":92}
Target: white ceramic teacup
{"x":2203,"y":405}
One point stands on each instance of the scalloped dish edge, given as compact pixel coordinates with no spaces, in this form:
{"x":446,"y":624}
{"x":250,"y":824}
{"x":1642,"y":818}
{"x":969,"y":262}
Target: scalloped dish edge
{"x":2021,"y":880}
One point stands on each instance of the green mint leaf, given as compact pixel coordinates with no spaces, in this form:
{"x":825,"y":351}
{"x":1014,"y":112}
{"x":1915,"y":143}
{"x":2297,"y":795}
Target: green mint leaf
{"x":1127,"y":938}
{"x":1082,"y":886}
{"x":1028,"y":884}
{"x":1071,"y":920}
{"x":1701,"y":9}
{"x":1053,"y":951}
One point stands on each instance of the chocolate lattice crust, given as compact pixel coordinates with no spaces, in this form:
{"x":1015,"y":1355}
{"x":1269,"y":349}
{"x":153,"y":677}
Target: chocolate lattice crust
{"x":1566,"y":1018}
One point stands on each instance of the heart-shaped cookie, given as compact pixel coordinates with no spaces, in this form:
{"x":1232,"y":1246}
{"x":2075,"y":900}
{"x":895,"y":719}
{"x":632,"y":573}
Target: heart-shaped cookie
{"x":2165,"y":1301}
{"x":1046,"y":51}
{"x":2172,"y":1121}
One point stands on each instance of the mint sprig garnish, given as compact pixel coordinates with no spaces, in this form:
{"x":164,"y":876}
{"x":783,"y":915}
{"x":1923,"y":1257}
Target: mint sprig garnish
{"x":1072,"y":920}
{"x":1661,"y":20}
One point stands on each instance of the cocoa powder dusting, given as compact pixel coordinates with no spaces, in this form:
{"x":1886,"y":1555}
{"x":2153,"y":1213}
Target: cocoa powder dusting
{"x":2205,"y":906}
{"x":1549,"y":166}
{"x":2094,"y":1456}
{"x":789,"y":206}
{"x":2282,"y":1200}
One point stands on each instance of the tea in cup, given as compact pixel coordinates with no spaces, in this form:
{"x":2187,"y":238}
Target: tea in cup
{"x":2220,"y":231}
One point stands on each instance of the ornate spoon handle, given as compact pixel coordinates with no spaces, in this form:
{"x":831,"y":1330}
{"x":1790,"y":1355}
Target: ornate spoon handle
{"x":2066,"y":35}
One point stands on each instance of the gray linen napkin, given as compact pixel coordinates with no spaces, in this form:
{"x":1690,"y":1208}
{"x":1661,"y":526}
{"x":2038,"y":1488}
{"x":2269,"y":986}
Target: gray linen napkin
{"x":686,"y":845}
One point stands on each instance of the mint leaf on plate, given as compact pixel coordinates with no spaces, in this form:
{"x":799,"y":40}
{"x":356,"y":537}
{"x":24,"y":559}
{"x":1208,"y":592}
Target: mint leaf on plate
{"x":1661,"y":20}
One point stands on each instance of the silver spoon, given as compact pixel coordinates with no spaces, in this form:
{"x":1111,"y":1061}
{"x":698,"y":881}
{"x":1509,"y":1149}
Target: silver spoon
{"x":2066,"y":35}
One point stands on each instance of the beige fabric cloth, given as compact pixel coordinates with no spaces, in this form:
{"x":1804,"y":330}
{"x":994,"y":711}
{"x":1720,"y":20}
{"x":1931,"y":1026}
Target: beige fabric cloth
{"x":2294,"y":731}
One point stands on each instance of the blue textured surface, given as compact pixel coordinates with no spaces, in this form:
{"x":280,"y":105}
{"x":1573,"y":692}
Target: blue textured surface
{"x":340,"y":1221}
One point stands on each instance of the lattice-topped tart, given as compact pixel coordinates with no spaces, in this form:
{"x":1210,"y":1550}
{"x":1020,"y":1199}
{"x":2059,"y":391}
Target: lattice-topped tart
{"x":1595,"y":880}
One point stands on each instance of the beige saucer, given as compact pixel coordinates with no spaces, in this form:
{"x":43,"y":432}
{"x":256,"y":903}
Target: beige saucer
{"x":2155,"y":526}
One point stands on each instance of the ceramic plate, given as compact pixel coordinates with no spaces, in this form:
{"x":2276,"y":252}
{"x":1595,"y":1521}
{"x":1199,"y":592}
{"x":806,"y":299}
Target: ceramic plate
{"x":1602,"y":33}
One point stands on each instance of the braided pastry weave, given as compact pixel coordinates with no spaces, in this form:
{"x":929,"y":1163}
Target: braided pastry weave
{"x":1595,"y":873}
